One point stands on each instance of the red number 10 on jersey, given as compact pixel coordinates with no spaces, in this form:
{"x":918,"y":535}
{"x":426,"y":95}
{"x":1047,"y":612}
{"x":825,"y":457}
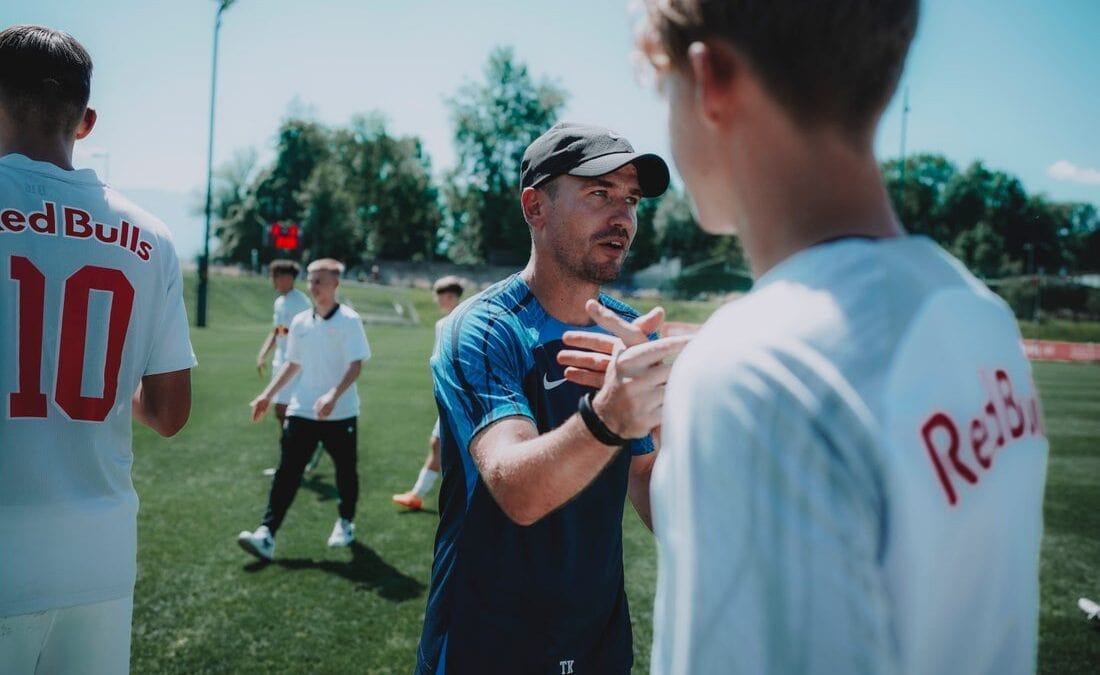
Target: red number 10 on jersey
{"x":30,"y":400}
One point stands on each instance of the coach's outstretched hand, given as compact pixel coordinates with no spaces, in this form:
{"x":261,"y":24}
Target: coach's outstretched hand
{"x":629,"y":369}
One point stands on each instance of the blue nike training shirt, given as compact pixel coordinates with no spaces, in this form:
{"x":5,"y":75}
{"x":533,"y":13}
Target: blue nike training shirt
{"x":506,"y":598}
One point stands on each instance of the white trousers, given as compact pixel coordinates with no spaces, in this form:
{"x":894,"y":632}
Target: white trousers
{"x":92,"y":639}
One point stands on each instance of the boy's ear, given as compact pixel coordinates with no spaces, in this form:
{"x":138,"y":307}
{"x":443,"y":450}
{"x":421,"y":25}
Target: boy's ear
{"x":718,"y":71}
{"x":86,"y":123}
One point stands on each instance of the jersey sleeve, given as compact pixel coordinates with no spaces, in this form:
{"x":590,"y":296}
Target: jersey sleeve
{"x":294,"y":341}
{"x":277,"y":314}
{"x":171,"y":345}
{"x":766,"y":527}
{"x":356,"y":346}
{"x":478,"y":370}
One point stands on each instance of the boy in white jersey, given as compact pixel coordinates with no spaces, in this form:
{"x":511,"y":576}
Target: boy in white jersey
{"x":853,"y":463}
{"x":289,"y":304}
{"x":328,"y":347}
{"x":94,"y":332}
{"x":448,"y":293}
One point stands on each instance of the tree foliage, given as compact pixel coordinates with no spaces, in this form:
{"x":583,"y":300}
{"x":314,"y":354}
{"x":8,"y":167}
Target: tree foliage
{"x":356,"y":192}
{"x":360,"y":193}
{"x":989,"y":221}
{"x":678,"y":234}
{"x":494,"y":122}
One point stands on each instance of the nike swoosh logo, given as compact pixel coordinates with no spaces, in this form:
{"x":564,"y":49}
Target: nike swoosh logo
{"x":551,"y":385}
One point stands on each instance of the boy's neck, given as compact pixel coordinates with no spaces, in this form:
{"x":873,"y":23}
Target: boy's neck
{"x":816,"y":187}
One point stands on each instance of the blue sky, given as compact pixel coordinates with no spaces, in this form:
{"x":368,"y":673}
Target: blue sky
{"x":1012,"y":83}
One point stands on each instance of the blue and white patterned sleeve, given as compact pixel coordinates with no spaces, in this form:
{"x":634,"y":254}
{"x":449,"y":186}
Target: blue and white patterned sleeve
{"x":478,"y":370}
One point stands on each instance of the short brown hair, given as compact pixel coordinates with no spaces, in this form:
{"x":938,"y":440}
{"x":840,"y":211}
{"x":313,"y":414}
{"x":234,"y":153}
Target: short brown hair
{"x":825,"y":61}
{"x":282,"y":266}
{"x":45,"y":77}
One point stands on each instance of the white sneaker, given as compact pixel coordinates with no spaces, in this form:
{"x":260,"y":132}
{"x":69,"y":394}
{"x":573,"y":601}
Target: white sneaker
{"x":259,"y":543}
{"x":343,"y":533}
{"x":315,"y":460}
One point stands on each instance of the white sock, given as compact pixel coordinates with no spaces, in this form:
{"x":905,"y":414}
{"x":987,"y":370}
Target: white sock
{"x":425,"y":481}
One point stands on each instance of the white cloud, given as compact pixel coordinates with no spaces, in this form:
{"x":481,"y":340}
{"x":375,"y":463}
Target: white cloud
{"x":1068,"y":171}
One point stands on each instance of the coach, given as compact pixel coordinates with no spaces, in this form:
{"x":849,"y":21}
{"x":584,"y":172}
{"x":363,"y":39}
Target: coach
{"x":528,"y":571}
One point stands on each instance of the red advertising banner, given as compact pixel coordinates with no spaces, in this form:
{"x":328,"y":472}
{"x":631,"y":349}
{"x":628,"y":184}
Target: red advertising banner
{"x":1052,"y":350}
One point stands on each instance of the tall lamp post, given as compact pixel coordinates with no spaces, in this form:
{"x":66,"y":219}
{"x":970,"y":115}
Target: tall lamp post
{"x":204,"y":261}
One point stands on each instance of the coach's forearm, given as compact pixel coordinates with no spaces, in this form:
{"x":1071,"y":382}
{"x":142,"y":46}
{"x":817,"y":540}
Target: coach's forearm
{"x":531,"y":476}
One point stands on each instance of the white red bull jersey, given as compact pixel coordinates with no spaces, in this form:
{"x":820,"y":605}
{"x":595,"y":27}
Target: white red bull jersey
{"x":286,"y":308}
{"x":324,"y":347}
{"x":852,"y":475}
{"x":90,"y":301}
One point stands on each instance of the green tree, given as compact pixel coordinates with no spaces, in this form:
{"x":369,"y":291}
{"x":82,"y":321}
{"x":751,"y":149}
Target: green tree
{"x":679,"y":233}
{"x":494,"y":121}
{"x":1081,"y":236}
{"x":329,"y":228}
{"x":231,"y":187}
{"x":302,"y":145}
{"x":981,"y":249}
{"x":962,"y":205}
{"x":646,"y":248}
{"x":387,"y":180}
{"x":1036,"y":228}
{"x":917,"y":192}
{"x":274,"y":194}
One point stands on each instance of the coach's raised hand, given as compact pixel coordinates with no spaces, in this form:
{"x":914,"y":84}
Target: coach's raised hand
{"x":588,"y":362}
{"x":629,"y":369}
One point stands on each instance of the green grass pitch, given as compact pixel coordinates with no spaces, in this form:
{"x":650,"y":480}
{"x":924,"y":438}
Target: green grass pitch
{"x":203,"y":606}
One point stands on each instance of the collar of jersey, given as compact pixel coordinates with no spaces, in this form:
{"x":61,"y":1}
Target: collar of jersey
{"x":331,"y":314}
{"x":26,"y":163}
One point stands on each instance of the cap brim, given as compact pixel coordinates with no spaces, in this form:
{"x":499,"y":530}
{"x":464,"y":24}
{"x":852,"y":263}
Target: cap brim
{"x":653,"y":174}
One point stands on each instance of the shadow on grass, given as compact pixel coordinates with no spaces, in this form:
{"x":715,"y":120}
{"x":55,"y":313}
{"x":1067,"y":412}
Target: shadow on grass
{"x":366,"y":569}
{"x":326,"y":492}
{"x":1068,"y":645}
{"x":423,"y":510}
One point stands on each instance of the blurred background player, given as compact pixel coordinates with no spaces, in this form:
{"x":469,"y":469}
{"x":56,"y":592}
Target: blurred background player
{"x":448,"y":292}
{"x":854,"y":460}
{"x":94,"y":333}
{"x":289,"y":304}
{"x":327,"y":346}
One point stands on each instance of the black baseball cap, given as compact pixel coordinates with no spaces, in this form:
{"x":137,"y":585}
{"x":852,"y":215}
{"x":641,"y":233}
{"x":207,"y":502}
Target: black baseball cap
{"x":588,"y":151}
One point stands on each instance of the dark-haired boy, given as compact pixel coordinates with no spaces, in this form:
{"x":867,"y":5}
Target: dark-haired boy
{"x":94,"y":334}
{"x":448,"y":293}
